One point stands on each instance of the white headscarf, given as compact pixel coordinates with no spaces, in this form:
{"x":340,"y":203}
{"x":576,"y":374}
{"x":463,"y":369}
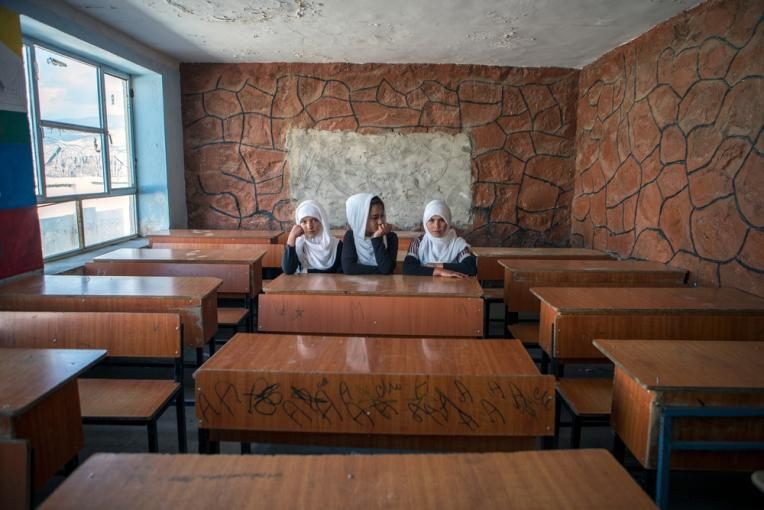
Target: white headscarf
{"x":439,"y":249}
{"x":357,"y":210}
{"x":319,"y":252}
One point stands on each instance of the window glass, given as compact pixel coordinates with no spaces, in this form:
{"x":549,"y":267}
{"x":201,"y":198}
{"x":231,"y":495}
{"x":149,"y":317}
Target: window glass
{"x":108,"y":218}
{"x":59,"y":228}
{"x":68,"y":89}
{"x":116,"y":115}
{"x":82,"y":154}
{"x":73,"y":162}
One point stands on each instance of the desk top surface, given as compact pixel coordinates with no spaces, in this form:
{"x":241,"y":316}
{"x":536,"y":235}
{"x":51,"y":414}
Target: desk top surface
{"x":588,"y":266}
{"x":347,"y":355}
{"x":198,"y":256}
{"x":29,"y":375}
{"x":537,"y":253}
{"x":641,"y":300}
{"x":378,"y":285}
{"x":235,"y":235}
{"x":554,"y":479}
{"x":111,"y":286}
{"x":688,"y":364}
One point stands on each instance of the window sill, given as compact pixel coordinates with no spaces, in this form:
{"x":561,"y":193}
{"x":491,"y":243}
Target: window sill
{"x":75,"y":261}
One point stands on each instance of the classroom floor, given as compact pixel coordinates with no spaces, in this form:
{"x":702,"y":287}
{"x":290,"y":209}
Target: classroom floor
{"x":689,"y":490}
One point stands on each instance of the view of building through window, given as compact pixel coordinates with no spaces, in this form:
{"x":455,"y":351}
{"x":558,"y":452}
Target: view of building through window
{"x":84,"y":176}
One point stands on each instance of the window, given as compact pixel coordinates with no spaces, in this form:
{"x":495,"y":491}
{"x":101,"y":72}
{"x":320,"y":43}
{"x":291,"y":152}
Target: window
{"x":79,"y":115}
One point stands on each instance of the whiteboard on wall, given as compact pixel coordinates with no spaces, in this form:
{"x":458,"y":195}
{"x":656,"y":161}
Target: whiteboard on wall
{"x":405,"y":170}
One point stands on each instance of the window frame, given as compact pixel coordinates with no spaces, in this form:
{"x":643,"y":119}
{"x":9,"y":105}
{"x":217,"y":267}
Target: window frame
{"x":37,"y":125}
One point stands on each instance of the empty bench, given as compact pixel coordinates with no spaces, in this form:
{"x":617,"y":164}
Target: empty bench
{"x":133,"y":336}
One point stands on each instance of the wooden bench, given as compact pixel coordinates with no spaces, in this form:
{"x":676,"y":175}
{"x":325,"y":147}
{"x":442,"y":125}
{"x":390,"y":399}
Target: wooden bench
{"x":588,"y":400}
{"x":231,"y":317}
{"x":491,"y":296}
{"x":526,"y":332}
{"x":134,"y":336}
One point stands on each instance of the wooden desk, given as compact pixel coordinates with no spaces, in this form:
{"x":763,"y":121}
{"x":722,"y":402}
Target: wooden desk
{"x":572,"y":317}
{"x":217,"y":237}
{"x":520,"y":275}
{"x":241,"y":272}
{"x":488,"y":257}
{"x":580,"y":479}
{"x":39,"y":402}
{"x":446,"y":393}
{"x":193,"y":298}
{"x":240,"y":240}
{"x":372,"y":305}
{"x":404,"y":237}
{"x":654,"y":373}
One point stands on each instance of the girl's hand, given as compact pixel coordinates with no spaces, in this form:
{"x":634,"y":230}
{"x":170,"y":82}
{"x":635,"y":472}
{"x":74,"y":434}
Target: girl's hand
{"x":382,"y":229}
{"x":439,"y":271}
{"x":296,"y":232}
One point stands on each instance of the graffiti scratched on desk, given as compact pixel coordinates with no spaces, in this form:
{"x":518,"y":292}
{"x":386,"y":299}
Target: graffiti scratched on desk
{"x":382,"y":404}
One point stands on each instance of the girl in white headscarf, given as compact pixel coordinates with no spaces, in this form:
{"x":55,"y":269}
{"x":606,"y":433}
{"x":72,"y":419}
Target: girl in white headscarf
{"x":439,"y":251}
{"x":370,"y":246}
{"x":310,"y":247}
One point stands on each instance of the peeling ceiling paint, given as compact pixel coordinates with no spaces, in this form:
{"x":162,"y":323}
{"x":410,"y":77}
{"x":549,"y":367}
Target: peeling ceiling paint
{"x":527,"y":33}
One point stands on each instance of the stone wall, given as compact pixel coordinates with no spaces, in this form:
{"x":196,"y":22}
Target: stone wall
{"x":521,"y":123}
{"x":670,"y":151}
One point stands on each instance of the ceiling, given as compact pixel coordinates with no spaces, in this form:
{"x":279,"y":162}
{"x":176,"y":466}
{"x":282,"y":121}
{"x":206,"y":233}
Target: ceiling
{"x":527,"y":33}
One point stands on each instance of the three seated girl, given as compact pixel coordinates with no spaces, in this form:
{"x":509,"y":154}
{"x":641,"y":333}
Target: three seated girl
{"x":370,"y":246}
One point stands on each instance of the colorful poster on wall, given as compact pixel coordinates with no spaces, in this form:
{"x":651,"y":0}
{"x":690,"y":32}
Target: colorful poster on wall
{"x":20,"y":247}
{"x":12,"y":91}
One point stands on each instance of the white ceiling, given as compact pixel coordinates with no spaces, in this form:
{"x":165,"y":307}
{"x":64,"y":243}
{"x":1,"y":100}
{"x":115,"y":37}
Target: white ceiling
{"x":528,"y":33}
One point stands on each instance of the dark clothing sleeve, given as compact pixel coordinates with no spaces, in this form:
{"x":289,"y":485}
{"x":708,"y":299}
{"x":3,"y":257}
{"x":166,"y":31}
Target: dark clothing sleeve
{"x":411,"y":266}
{"x":467,"y":266}
{"x":290,"y":262}
{"x":385,"y":257}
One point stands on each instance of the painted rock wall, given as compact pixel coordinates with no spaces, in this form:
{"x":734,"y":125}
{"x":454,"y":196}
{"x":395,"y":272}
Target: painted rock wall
{"x":521,"y":124}
{"x":670,"y":150}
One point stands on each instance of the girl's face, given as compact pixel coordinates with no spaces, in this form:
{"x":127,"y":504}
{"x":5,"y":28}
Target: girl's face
{"x":437,"y":226}
{"x":375,"y":219}
{"x":311,"y":226}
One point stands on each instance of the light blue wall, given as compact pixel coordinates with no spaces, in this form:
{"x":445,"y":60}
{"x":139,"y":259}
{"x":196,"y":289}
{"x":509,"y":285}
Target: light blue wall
{"x":156,"y":78}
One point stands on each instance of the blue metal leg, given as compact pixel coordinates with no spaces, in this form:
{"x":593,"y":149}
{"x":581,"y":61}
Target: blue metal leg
{"x":666,"y":444}
{"x":663,"y":469}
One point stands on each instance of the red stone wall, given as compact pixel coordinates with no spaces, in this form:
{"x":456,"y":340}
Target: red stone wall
{"x":521,"y":124}
{"x":670,"y":151}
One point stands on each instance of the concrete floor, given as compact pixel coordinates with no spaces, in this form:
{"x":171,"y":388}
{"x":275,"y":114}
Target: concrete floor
{"x":689,"y":490}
